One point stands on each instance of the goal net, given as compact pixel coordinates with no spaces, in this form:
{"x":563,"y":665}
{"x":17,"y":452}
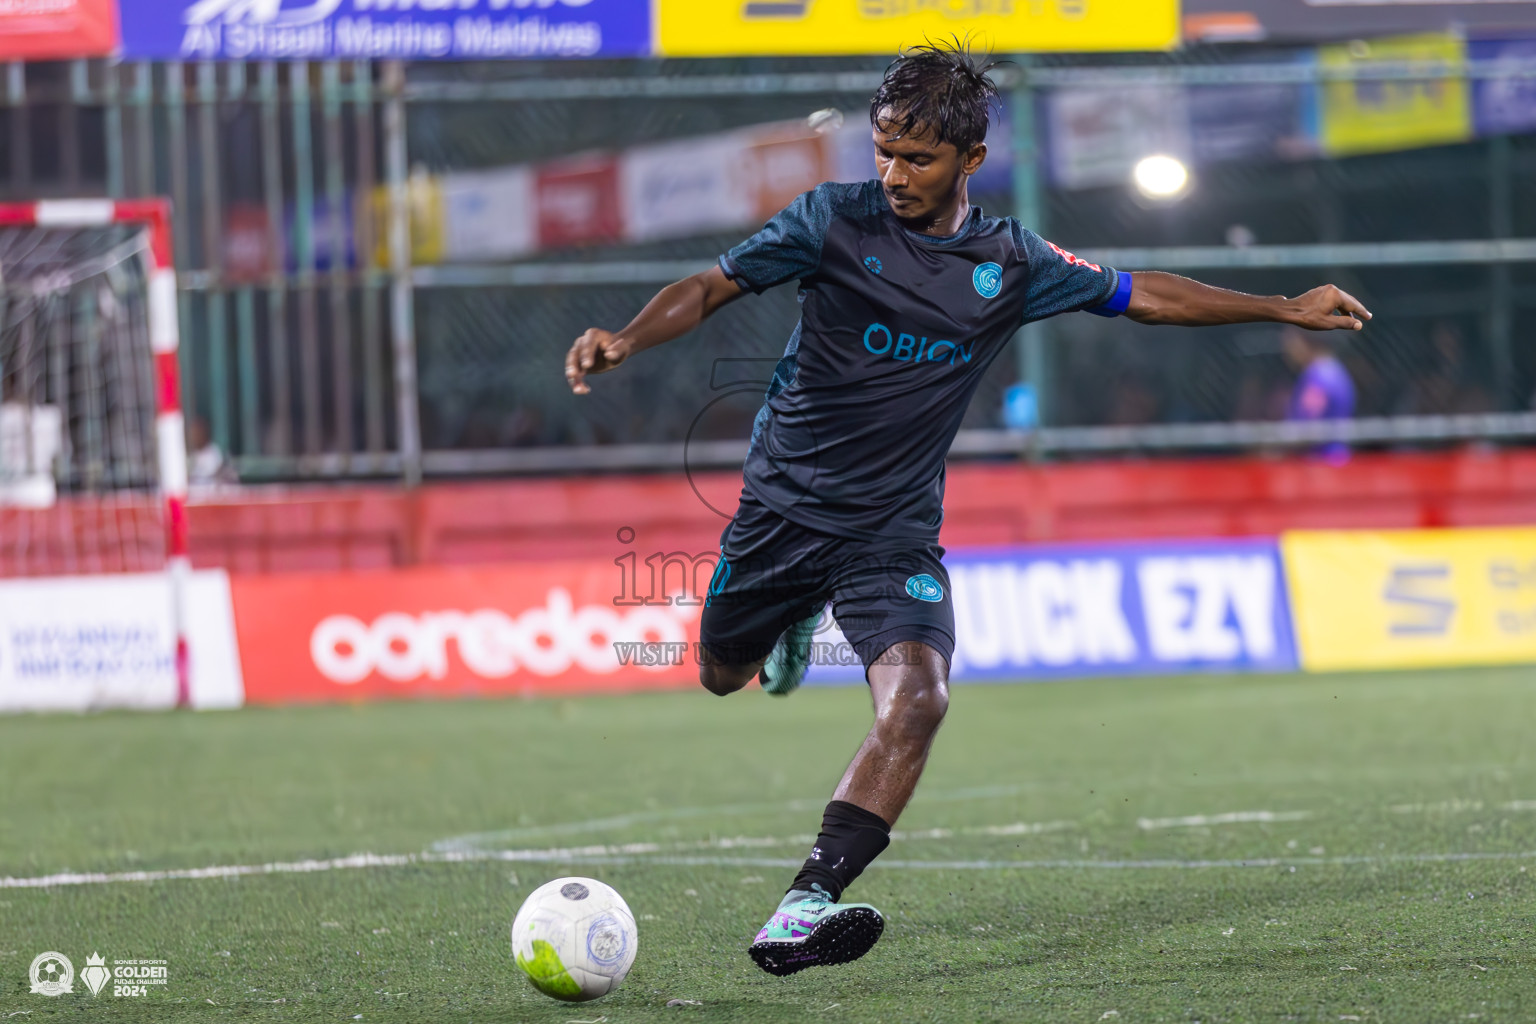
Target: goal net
{"x":92,"y":450}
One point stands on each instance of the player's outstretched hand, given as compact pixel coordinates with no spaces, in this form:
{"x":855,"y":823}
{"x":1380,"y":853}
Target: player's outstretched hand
{"x":1330,"y":308}
{"x":596,"y":351}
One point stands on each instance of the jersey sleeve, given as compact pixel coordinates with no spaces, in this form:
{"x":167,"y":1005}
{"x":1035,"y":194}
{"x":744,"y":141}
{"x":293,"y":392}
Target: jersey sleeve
{"x":1060,"y":282}
{"x":787,"y":248}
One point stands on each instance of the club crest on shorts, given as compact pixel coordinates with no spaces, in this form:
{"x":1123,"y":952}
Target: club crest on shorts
{"x":925,"y":588}
{"x":988,"y":279}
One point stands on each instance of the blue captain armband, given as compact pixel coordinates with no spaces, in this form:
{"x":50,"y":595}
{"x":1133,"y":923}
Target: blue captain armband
{"x":1119,"y":302}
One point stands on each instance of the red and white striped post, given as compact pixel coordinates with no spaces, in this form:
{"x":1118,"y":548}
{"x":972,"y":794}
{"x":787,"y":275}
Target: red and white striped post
{"x":165,"y":340}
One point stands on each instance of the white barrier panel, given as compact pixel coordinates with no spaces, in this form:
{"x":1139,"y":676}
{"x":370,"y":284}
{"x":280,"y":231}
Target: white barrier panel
{"x":81,"y":643}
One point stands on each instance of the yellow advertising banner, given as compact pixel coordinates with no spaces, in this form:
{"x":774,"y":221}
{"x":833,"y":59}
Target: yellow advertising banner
{"x":1379,"y":115}
{"x":1411,"y":598}
{"x":424,"y":196}
{"x":724,"y":28}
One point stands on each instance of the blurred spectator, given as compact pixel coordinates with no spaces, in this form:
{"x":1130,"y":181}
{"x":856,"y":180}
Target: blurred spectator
{"x":1260,"y":397}
{"x":206,"y":464}
{"x":1323,"y":388}
{"x":1133,"y":402}
{"x":1445,"y":387}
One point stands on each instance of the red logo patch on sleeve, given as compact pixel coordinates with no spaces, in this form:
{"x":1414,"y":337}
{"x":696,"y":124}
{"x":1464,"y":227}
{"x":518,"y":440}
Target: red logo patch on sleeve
{"x":1077,"y":261}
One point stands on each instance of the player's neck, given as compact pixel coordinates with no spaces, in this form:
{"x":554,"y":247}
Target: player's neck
{"x":946,"y":222}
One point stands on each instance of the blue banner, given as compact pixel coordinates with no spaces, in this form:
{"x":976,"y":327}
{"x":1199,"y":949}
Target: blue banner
{"x":1503,"y":106}
{"x":1256,"y":122}
{"x":384,"y":29}
{"x":1113,"y":609}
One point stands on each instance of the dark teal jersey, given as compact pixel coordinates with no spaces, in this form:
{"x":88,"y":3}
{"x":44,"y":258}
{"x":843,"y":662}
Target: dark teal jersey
{"x":896,"y":330}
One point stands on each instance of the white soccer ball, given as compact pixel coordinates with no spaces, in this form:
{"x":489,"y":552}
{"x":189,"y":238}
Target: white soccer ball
{"x":575,"y":939}
{"x":825,"y":121}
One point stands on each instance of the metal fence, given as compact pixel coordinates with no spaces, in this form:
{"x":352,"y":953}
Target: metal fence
{"x":313,"y":348}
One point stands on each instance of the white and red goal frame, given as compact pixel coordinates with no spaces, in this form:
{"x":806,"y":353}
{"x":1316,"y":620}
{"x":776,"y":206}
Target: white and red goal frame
{"x":154,"y":216}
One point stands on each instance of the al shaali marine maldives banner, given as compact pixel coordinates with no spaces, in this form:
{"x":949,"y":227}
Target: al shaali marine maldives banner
{"x":384,"y":29}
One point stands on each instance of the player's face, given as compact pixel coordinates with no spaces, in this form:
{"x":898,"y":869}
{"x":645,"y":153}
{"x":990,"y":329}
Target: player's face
{"x":923,"y":179}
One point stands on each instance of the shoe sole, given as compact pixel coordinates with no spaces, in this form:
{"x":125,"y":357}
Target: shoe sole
{"x":840,"y":939}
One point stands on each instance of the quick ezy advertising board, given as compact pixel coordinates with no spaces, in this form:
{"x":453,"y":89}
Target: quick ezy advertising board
{"x":384,"y":29}
{"x":1114,"y":609}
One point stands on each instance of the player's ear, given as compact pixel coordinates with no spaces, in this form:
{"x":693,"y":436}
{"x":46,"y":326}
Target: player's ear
{"x":973,"y":158}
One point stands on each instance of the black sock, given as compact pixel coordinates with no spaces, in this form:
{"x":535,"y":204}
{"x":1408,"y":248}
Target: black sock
{"x":850,"y":839}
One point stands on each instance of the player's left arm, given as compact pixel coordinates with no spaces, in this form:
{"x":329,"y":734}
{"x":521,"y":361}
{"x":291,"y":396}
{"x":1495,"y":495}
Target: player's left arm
{"x":1159,"y":298}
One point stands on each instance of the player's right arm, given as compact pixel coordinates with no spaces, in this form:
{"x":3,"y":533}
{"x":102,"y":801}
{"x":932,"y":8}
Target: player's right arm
{"x":677,"y":309}
{"x":786,"y":249}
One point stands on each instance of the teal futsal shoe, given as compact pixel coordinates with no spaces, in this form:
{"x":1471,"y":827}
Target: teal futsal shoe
{"x":809,"y":930}
{"x":785,"y":668}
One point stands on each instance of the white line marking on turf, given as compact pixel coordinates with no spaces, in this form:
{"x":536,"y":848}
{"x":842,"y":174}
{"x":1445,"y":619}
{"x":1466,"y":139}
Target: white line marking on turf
{"x":477,"y":840}
{"x":638,"y":855}
{"x":560,"y":854}
{"x":1454,"y":806}
{"x":1069,"y":865}
{"x":1229,"y":818}
{"x":1443,"y":806}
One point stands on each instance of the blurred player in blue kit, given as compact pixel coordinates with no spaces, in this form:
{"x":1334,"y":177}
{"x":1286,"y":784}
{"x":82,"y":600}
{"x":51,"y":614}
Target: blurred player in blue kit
{"x":1323,"y":391}
{"x":908,"y":293}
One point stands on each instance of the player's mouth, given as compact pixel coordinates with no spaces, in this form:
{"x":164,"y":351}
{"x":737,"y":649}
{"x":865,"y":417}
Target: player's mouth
{"x":899,"y":200}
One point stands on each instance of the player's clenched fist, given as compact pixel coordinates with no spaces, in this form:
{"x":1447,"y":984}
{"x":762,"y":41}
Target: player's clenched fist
{"x":596,"y":351}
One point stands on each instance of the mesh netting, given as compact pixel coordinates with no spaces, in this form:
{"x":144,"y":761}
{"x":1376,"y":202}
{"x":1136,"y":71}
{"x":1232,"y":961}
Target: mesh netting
{"x":77,"y":404}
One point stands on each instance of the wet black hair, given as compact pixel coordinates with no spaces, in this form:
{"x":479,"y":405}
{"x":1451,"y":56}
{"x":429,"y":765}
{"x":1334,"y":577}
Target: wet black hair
{"x":940,"y":88}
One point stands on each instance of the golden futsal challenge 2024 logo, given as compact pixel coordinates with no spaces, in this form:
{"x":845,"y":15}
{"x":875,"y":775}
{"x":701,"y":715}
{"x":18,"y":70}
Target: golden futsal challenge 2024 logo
{"x":53,"y":974}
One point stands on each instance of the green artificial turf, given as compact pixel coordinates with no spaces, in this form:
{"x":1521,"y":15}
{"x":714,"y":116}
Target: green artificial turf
{"x":1216,"y":849}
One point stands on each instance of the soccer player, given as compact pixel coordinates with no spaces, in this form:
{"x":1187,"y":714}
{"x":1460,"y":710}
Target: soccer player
{"x":1324,"y":390}
{"x":908,"y":293}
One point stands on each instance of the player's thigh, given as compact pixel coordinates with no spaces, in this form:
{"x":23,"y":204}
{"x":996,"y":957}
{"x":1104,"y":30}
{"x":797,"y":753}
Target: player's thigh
{"x":768,"y":579}
{"x":885,"y":601}
{"x":742,"y":632}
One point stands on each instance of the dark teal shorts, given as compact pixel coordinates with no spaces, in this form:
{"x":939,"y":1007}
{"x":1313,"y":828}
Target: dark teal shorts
{"x":774,"y":573}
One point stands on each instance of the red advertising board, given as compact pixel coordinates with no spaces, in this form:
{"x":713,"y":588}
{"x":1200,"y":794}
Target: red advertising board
{"x":542,"y":628}
{"x":248,"y":257}
{"x":578,"y":202}
{"x":786,"y":163}
{"x":57,"y":29}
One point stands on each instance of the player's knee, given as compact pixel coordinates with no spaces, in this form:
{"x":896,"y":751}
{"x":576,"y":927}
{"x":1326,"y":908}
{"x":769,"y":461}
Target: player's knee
{"x":919,"y":711}
{"x":720,"y":680}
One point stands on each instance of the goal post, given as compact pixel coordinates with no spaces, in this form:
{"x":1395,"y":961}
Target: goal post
{"x":148,"y":222}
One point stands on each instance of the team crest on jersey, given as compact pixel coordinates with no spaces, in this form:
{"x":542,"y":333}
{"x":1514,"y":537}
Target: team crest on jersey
{"x":1076,"y":261}
{"x":872,"y":264}
{"x":988,"y":280}
{"x":925,"y":588}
